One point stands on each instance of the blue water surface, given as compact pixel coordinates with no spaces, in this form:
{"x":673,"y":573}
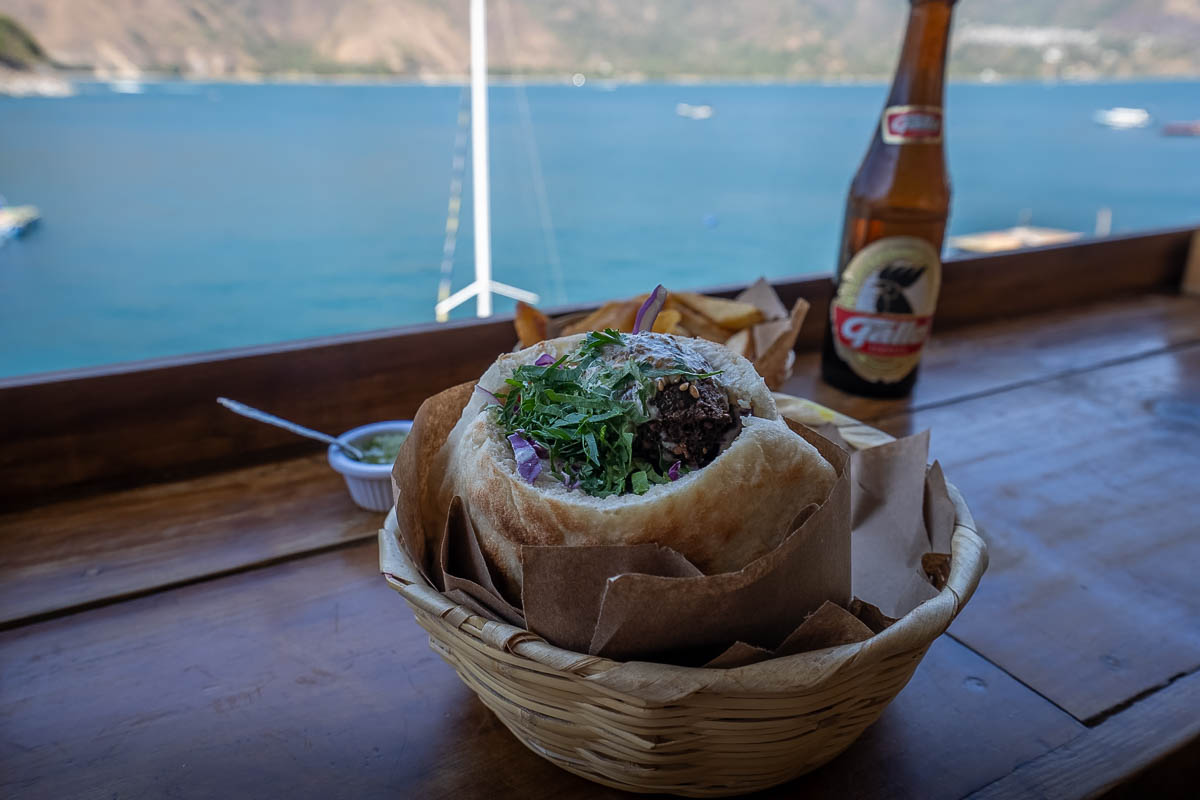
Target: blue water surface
{"x":195,"y":217}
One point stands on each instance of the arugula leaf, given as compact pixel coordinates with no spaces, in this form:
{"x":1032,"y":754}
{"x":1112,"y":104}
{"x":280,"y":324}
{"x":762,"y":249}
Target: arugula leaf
{"x":589,"y":447}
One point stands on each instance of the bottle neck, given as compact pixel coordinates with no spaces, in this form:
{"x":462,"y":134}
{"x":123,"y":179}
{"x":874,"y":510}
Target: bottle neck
{"x":922,"y":69}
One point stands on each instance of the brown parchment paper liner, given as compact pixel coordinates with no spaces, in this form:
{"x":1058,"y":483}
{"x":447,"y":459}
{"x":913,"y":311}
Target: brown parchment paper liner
{"x":465,"y":570}
{"x":596,"y":599}
{"x":775,"y":338}
{"x":568,"y":585}
{"x":828,"y":626}
{"x":695,"y":618}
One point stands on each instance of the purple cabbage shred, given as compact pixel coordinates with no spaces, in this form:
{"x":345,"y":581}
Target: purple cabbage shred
{"x":673,"y":472}
{"x":537,"y":446}
{"x":529,"y":466}
{"x":649,"y":310}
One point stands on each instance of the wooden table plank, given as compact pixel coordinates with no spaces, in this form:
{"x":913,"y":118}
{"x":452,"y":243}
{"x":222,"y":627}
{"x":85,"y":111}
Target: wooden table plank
{"x":988,"y":357}
{"x":72,"y":553}
{"x":1105,"y":756}
{"x":111,"y":545}
{"x":930,"y":742}
{"x":311,"y":679}
{"x":1087,"y":488}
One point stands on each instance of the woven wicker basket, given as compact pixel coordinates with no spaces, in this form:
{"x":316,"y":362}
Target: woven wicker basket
{"x":694,"y":732}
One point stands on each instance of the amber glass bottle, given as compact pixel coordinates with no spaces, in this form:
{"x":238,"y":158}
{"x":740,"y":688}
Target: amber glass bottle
{"x":889,"y":266}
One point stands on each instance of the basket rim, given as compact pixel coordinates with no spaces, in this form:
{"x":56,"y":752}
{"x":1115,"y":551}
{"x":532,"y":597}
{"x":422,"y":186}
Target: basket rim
{"x":914,"y":631}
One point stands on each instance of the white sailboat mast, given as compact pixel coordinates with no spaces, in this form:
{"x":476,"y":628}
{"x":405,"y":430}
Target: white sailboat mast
{"x":483,"y":286}
{"x":479,"y":159}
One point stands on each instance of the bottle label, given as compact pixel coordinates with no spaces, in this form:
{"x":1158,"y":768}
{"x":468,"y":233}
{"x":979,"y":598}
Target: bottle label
{"x":912,"y":125}
{"x":883,"y":307}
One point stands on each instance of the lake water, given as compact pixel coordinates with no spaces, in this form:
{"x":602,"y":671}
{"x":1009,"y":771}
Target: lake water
{"x":197,"y":217}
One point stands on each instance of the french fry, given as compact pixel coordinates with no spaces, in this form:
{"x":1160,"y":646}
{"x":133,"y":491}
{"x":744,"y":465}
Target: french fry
{"x":618,"y":314}
{"x":740,"y":343}
{"x":697,"y":323}
{"x":531,"y":324}
{"x":736,"y":323}
{"x":725,"y":313}
{"x":666,"y":321}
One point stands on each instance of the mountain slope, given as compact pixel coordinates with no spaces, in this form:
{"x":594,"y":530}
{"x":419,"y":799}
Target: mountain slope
{"x":18,"y":49}
{"x":784,"y":38}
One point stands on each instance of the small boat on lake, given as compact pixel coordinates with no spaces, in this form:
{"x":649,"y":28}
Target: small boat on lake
{"x":1186,"y":128}
{"x":693,"y":112}
{"x":15,"y":220}
{"x":1122,"y":118}
{"x":126,"y":86}
{"x":1011,"y":239}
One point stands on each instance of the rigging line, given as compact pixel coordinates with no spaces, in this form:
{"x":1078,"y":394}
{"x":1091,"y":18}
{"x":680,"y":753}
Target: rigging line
{"x":535,"y":162}
{"x":458,"y":165}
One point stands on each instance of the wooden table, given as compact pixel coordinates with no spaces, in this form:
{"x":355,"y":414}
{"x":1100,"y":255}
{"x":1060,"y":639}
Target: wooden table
{"x":230,"y":636}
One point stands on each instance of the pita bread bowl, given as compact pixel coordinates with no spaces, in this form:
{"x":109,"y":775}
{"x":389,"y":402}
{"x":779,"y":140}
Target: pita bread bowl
{"x":610,"y":438}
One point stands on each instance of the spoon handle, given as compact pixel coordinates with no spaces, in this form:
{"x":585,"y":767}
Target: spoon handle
{"x":280,"y":422}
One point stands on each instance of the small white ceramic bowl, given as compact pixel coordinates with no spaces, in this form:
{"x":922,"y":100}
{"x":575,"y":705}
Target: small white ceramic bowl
{"x":370,"y":485}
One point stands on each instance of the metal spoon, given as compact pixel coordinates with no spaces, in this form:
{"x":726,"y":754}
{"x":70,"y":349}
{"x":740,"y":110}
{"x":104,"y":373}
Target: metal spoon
{"x":280,"y":422}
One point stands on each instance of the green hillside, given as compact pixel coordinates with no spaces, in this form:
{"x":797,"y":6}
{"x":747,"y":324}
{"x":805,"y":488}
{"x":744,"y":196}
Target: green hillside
{"x":18,"y":49}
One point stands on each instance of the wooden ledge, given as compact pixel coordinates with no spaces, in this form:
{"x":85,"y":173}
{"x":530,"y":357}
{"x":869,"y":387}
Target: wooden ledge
{"x":111,"y":546}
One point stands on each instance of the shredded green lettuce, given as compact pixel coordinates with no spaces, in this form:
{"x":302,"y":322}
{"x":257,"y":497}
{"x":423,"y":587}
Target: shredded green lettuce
{"x":584,"y":411}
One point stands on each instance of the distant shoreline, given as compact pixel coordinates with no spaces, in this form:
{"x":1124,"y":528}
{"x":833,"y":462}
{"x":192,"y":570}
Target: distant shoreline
{"x":357,"y":79}
{"x":62,"y":83}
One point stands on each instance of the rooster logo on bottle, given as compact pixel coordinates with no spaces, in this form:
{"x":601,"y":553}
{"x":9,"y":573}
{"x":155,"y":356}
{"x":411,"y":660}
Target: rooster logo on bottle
{"x":884,"y":293}
{"x":884,"y":305}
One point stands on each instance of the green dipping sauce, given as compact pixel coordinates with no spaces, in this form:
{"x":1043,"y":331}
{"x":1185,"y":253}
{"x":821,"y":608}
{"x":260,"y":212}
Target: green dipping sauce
{"x":381,"y":448}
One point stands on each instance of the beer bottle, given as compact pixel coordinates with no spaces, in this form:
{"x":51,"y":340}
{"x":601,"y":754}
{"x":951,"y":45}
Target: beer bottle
{"x":889,"y":266}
